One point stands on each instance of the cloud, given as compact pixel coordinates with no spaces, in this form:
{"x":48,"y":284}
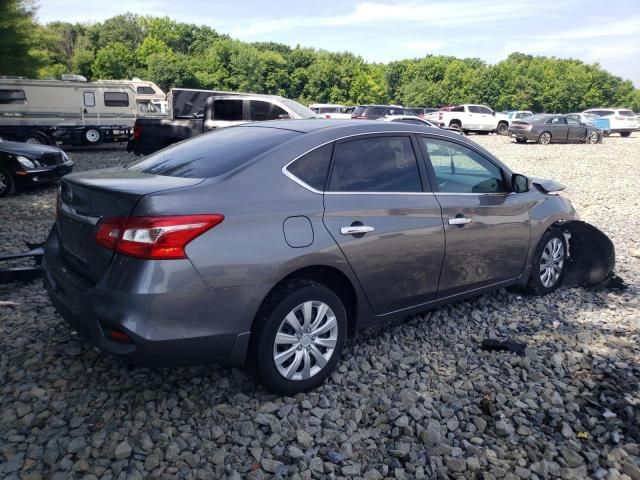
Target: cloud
{"x":424,"y":46}
{"x":416,"y":13}
{"x":629,"y":26}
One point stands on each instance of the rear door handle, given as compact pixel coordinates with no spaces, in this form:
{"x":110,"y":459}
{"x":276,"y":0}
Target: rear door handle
{"x":356,"y":229}
{"x":459,"y":221}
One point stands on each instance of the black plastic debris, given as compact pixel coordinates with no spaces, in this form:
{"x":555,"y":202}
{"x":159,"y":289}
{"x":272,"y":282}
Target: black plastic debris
{"x":23,"y":274}
{"x":503,"y":346}
{"x":487,"y":405}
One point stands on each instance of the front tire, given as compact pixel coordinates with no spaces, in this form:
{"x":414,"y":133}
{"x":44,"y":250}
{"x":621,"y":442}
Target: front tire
{"x":544,"y":138}
{"x":503,"y":129}
{"x":7,"y":184}
{"x":593,"y":138}
{"x":549,"y":263}
{"x":299,"y":337}
{"x":36,"y":138}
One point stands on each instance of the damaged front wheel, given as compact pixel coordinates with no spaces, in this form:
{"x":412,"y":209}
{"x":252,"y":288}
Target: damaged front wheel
{"x":548,"y":263}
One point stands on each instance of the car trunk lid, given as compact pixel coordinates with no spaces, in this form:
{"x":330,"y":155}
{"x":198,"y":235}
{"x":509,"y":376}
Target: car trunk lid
{"x":88,"y":197}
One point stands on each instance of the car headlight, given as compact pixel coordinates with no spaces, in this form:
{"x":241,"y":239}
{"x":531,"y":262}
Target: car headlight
{"x":26,"y":162}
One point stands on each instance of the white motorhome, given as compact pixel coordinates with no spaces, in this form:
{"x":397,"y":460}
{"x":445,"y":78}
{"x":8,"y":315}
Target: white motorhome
{"x":74,"y":111}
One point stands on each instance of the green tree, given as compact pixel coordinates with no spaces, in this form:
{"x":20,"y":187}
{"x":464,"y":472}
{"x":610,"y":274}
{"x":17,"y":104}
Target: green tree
{"x":19,"y":39}
{"x":150,"y":46}
{"x":113,"y":62}
{"x":170,"y":70}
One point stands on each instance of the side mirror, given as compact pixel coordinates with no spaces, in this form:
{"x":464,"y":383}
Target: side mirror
{"x":519,"y":183}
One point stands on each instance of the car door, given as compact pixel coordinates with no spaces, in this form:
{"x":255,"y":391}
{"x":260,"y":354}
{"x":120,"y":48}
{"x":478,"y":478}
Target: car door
{"x":487,"y":227}
{"x":388,"y":225}
{"x":576,"y":131}
{"x":558,"y":128}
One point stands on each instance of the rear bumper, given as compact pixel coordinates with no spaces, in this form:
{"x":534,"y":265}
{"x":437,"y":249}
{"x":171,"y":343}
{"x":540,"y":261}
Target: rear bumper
{"x":622,"y":130}
{"x":523,"y":135}
{"x":176,"y":321}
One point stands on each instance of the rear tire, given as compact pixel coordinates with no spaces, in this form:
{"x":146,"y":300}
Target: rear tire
{"x":299,"y":361}
{"x":92,"y":136}
{"x":503,"y":129}
{"x":549,"y":263}
{"x":7,"y":184}
{"x":625,"y":134}
{"x":544,"y":138}
{"x":455,"y":124}
{"x":593,"y":138}
{"x":36,"y":138}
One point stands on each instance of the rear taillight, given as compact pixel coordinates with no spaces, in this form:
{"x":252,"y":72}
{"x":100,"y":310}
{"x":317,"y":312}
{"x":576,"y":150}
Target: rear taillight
{"x":160,"y":238}
{"x":137,"y":131}
{"x":439,"y":115}
{"x":359,"y":117}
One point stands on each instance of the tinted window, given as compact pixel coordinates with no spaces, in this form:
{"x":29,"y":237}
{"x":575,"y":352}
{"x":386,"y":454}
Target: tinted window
{"x":214,"y":153}
{"x":396,"y":111}
{"x":474,"y":109}
{"x":485,"y":110}
{"x":383,"y":164}
{"x":313,"y":167}
{"x":265,"y":111}
{"x":375,"y":111}
{"x":557,"y":121}
{"x":13,"y":96}
{"x":145,"y":91}
{"x":230,"y":110}
{"x":89,"y":99}
{"x":626,"y":113}
{"x":459,"y":169}
{"x":457,"y":109}
{"x":116,"y":99}
{"x":413,"y":121}
{"x":358,"y":111}
{"x":573,"y":122}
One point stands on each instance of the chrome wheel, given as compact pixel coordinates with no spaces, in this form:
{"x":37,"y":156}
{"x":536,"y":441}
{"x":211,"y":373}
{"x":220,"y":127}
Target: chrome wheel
{"x":545,"y":138}
{"x":305,"y":341}
{"x":593,"y":138}
{"x":551,"y":262}
{"x":92,"y":135}
{"x":4,"y":183}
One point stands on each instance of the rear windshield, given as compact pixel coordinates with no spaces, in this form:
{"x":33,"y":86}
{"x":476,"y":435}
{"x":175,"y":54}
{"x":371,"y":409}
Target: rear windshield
{"x":358,"y":111}
{"x":215,"y":153}
{"x":626,"y":113}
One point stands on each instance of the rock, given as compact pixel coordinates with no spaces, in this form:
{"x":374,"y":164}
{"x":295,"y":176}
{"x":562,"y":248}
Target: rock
{"x":572,"y":458}
{"x":123,"y":450}
{"x":304,"y":439}
{"x":455,"y":464}
{"x":270,"y":465}
{"x":351,"y":469}
{"x":294,"y":452}
{"x":13,"y":463}
{"x":335,"y":457}
{"x":504,"y":429}
{"x":430,"y":436}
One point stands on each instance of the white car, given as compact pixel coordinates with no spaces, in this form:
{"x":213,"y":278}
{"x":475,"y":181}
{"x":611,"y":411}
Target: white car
{"x":621,"y":120}
{"x":415,"y":120}
{"x":588,"y":119}
{"x":331,"y":110}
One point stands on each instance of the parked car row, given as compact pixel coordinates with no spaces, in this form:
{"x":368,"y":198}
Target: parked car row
{"x":546,"y":129}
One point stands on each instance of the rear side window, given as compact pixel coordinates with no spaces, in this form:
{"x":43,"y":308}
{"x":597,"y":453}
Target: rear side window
{"x":376,"y":111}
{"x":215,"y":153}
{"x":260,"y":110}
{"x":145,"y":91}
{"x":116,"y":99}
{"x":626,"y":113}
{"x":230,"y":110}
{"x":313,"y":167}
{"x":457,"y":109}
{"x":13,"y":97}
{"x":358,"y":111}
{"x":383,"y":164}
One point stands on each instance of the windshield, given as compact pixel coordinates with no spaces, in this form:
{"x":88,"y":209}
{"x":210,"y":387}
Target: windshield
{"x":298,"y":109}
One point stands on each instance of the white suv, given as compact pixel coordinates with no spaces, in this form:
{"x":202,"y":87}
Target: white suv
{"x":621,"y":120}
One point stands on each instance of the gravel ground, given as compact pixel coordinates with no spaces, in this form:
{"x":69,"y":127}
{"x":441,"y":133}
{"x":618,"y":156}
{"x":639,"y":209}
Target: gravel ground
{"x":417,"y":399}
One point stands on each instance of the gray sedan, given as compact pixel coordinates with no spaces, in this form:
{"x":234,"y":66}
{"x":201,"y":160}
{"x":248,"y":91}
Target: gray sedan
{"x":546,"y":129}
{"x":267,"y":244}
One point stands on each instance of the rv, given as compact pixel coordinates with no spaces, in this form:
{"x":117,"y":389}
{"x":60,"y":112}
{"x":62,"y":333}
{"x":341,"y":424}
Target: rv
{"x":74,"y":111}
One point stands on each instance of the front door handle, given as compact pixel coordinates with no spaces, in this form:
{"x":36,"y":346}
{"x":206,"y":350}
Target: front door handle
{"x":459,"y":221}
{"x":356,"y":230}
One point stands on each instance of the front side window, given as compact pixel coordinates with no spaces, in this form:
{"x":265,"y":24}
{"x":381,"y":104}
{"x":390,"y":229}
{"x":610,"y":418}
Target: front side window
{"x":485,"y":110}
{"x":89,"y":99}
{"x":260,"y":110}
{"x":557,"y":121}
{"x":313,"y":167}
{"x":12,"y":97}
{"x":573,"y":122}
{"x":229,"y":110}
{"x":381,"y":164}
{"x":145,"y":91}
{"x":116,"y":99}
{"x":459,"y":169}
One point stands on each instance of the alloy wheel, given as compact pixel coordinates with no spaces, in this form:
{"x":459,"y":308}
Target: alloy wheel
{"x":4,"y":183}
{"x":305,"y":340}
{"x":593,"y":138}
{"x":552,"y":262}
{"x":545,"y":138}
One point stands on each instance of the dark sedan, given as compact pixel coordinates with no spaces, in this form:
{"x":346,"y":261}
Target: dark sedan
{"x":26,"y":164}
{"x":546,"y":129}
{"x":269,"y":243}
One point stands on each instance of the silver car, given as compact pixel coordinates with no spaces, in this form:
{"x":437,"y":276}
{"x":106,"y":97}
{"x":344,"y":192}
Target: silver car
{"x":267,"y":244}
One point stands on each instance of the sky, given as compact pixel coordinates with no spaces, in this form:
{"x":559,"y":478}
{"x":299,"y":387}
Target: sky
{"x":602,"y":31}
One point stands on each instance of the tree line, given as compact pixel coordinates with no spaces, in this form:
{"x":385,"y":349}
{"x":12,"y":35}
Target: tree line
{"x":174,"y":54}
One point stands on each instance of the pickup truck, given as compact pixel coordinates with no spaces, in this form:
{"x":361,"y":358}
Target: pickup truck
{"x":470,"y":118}
{"x":203,"y":113}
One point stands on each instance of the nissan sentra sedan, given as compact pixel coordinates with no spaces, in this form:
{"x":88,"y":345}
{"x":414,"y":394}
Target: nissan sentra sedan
{"x":546,"y":129}
{"x":268,"y":244}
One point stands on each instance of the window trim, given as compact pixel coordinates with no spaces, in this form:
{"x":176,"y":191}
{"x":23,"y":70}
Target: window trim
{"x":417,"y":150}
{"x":506,"y":175}
{"x":121,"y":103}
{"x":84,"y":98}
